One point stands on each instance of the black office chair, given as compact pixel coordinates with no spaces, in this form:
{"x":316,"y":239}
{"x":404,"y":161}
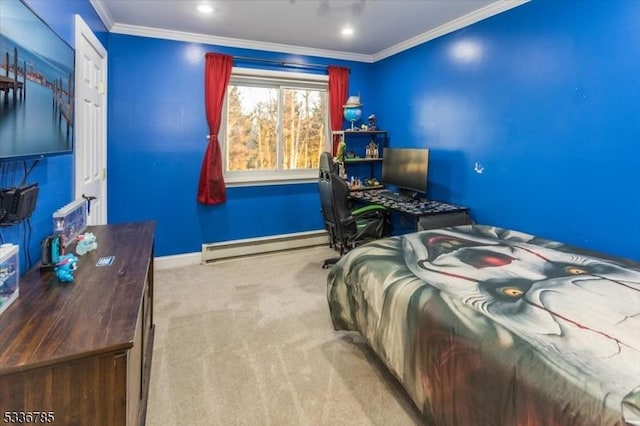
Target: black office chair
{"x":347,"y":228}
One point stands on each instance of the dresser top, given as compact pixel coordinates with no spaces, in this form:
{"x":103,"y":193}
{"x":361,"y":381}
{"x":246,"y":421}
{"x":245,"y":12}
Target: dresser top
{"x":51,"y":321}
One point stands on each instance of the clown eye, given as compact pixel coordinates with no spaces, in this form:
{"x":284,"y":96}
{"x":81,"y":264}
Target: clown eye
{"x":575,"y":270}
{"x":512,"y":291}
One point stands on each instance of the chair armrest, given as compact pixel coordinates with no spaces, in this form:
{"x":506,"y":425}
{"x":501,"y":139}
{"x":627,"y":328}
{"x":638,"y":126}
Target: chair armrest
{"x":368,"y":208}
{"x":371,"y":211}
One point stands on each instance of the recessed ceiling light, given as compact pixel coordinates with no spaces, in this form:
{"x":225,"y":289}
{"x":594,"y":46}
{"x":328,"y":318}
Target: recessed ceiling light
{"x":205,"y":8}
{"x":347,"y":31}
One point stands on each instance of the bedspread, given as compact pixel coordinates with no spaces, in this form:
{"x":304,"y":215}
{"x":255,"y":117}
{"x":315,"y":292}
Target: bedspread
{"x":489,"y":326}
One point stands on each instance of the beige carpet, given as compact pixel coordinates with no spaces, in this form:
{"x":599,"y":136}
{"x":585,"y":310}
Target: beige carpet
{"x":250,"y":342}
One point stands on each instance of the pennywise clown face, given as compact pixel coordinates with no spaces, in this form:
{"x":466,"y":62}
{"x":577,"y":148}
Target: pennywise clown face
{"x":584,"y":307}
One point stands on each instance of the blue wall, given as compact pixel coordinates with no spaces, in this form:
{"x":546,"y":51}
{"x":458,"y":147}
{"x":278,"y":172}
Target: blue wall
{"x":59,"y":15}
{"x":157,"y":130}
{"x":544,"y":98}
{"x":54,"y":175}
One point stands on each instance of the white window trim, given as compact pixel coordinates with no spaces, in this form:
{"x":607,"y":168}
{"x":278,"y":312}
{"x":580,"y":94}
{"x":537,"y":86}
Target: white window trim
{"x":260,"y":178}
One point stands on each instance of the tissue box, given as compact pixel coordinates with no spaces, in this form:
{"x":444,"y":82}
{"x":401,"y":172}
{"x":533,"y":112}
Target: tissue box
{"x":9,"y":275}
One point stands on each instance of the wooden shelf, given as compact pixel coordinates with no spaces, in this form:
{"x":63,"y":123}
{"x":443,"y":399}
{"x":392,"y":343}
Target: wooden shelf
{"x":363,"y":132}
{"x":357,"y":142}
{"x":361,"y":160}
{"x":359,"y":132}
{"x":366,"y":188}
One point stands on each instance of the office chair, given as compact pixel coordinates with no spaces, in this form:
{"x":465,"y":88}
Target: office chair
{"x":347,"y":228}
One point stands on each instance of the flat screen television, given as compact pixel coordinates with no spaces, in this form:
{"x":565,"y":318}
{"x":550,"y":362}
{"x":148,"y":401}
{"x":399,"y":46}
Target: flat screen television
{"x":36,"y":86}
{"x":406,"y":168}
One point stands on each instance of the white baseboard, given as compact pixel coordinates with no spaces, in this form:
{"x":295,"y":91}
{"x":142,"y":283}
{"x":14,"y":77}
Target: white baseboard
{"x":250,"y":246}
{"x":245,"y":247}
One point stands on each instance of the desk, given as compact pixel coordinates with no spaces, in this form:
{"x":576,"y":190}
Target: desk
{"x":425,"y":214}
{"x":80,"y":352}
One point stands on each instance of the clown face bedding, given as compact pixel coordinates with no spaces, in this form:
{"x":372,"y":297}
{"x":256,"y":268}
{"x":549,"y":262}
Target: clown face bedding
{"x":487,"y":326}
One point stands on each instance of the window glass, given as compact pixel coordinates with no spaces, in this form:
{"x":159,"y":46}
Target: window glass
{"x":275,"y":128}
{"x":304,"y":129}
{"x":251,"y":128}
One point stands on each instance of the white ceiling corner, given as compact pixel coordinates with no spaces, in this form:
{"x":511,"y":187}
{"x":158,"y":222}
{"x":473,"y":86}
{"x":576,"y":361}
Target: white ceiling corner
{"x":103,"y":13}
{"x":449,"y":27}
{"x":302,"y":27}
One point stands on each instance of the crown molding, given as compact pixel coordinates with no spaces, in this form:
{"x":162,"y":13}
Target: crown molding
{"x":451,"y":26}
{"x":103,"y":13}
{"x":234,"y":42}
{"x":464,"y":21}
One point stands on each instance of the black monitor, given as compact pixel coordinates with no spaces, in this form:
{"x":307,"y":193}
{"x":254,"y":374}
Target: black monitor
{"x":406,"y":168}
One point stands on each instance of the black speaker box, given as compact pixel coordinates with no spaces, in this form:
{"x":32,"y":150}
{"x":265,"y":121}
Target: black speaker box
{"x":17,"y":204}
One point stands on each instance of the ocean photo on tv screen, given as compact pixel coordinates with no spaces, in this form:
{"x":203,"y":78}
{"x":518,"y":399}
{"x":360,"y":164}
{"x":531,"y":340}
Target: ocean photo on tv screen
{"x":36,"y":86}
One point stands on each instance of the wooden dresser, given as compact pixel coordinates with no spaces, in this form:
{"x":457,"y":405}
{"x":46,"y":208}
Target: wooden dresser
{"x":81,"y":351}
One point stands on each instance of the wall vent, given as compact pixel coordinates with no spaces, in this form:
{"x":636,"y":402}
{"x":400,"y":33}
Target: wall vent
{"x":250,"y":246}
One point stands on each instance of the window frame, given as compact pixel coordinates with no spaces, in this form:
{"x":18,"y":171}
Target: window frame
{"x":284,"y":80}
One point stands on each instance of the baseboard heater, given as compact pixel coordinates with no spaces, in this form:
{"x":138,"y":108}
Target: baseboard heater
{"x":251,"y":246}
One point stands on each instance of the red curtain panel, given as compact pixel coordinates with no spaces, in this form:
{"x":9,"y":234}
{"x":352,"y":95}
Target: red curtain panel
{"x":338,"y":89}
{"x":211,"y":187}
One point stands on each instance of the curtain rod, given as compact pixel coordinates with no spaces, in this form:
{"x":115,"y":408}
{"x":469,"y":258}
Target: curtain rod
{"x":290,"y":64}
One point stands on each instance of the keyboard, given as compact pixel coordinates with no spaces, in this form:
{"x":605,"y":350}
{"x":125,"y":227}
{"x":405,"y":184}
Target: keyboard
{"x":393,"y":196}
{"x":404,"y":203}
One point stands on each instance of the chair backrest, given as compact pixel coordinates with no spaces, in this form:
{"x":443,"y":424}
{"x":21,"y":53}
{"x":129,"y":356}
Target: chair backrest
{"x":334,"y":195}
{"x":342,"y":207}
{"x":326,"y":193}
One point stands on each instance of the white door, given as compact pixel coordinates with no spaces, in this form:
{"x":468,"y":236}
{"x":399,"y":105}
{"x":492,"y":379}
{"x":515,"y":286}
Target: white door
{"x":91,"y":122}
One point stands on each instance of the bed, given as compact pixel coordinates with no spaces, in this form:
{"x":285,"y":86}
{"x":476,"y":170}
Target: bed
{"x":489,"y":326}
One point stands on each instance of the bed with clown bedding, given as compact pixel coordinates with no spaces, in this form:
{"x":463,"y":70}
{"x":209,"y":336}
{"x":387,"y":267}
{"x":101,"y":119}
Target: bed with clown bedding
{"x":488,"y":326}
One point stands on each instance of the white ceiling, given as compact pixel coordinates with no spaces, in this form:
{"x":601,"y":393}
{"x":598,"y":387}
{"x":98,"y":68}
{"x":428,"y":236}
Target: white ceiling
{"x":310,"y":27}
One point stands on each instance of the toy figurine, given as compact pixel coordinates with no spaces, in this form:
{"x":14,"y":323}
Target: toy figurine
{"x":86,"y":243}
{"x":65,"y":267}
{"x":342,"y":146}
{"x":372,"y":150}
{"x":373,"y":126}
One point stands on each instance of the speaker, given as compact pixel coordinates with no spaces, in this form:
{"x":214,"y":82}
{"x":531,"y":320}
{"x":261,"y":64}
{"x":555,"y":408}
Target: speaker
{"x":17,"y":204}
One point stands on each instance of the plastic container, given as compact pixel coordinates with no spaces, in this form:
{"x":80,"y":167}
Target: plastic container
{"x":70,"y":221}
{"x":9,"y":275}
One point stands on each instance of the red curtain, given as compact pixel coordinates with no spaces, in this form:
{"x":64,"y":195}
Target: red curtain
{"x":211,"y":188}
{"x":338,"y":89}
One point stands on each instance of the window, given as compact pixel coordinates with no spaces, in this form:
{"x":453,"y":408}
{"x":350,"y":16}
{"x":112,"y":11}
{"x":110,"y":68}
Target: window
{"x":276,"y":126}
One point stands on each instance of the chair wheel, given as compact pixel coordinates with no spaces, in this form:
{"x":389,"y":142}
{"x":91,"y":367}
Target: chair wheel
{"x":329,"y":262}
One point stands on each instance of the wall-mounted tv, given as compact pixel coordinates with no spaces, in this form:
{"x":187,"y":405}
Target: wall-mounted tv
{"x":36,"y":86}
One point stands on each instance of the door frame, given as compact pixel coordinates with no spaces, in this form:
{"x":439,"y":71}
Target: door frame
{"x":81,"y":29}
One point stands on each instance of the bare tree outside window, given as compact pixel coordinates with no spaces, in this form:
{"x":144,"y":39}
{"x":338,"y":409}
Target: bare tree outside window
{"x":252,"y":116}
{"x":304,"y":128}
{"x":275,"y":128}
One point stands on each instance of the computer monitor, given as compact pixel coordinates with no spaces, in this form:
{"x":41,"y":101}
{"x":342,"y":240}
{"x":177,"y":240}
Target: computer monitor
{"x":406,"y":168}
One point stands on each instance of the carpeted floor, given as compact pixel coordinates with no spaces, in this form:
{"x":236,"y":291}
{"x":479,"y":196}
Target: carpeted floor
{"x":250,"y":342}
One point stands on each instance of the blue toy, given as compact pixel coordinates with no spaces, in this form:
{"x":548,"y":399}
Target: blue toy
{"x":86,"y":243}
{"x":65,"y":267}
